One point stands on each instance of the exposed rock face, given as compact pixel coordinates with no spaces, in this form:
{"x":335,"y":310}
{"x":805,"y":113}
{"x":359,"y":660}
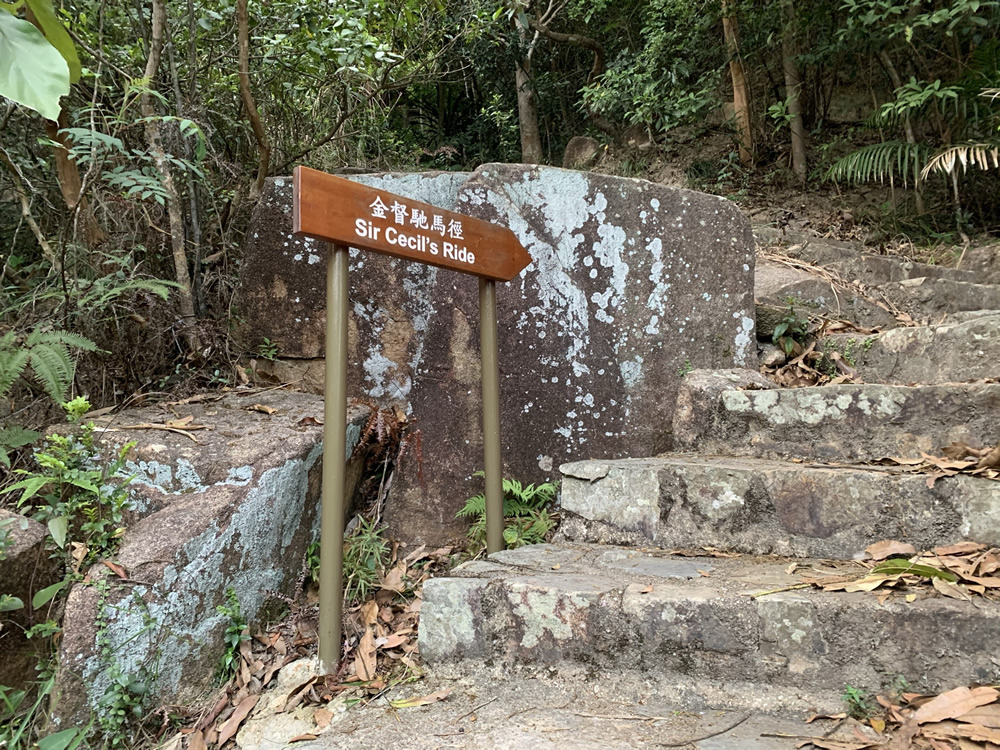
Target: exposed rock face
{"x":779,"y":286}
{"x":632,"y":285}
{"x":926,"y":354}
{"x":25,"y":569}
{"x":237,"y":509}
{"x":581,"y":152}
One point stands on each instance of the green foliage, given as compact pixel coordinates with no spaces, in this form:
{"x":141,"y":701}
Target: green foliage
{"x":526,"y":510}
{"x":32,"y":72}
{"x":47,"y":353}
{"x":22,"y":718}
{"x":790,"y":330}
{"x":860,"y":704}
{"x":121,"y":707}
{"x":366,"y":554}
{"x":236,"y":633}
{"x":673,"y":77}
{"x":79,"y":497}
{"x":267,"y":349}
{"x":881,"y":161}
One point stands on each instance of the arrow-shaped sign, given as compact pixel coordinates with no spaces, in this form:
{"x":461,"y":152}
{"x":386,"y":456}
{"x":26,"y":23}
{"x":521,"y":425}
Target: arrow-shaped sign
{"x":331,"y":208}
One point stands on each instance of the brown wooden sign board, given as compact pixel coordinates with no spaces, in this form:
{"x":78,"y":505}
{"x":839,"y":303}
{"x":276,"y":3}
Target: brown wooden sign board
{"x":326,"y":207}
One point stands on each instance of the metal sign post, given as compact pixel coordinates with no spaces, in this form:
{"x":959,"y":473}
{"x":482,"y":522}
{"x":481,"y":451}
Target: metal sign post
{"x":349,"y":214}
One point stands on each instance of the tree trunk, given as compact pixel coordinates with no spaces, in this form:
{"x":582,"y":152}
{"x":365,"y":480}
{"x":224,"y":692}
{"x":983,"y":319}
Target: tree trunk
{"x":263,"y":144}
{"x":911,"y":138}
{"x":163,"y":168}
{"x":194,"y":212}
{"x":596,"y":70}
{"x":67,"y":173}
{"x":70,"y":184}
{"x":741,"y":94}
{"x":793,"y":87}
{"x":527,"y":105}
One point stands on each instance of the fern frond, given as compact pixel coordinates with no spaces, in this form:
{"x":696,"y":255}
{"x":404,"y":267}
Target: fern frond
{"x":67,"y":338}
{"x":12,"y":364}
{"x":474,"y":506}
{"x":53,"y":369}
{"x":981,"y":155}
{"x":17,"y":437}
{"x":880,"y":161}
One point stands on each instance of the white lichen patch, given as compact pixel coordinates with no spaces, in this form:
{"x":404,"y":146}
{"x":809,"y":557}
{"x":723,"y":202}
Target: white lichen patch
{"x":169,"y":626}
{"x":542,"y":612}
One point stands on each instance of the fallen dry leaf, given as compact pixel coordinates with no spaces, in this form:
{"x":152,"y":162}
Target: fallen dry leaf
{"x":890,"y":548}
{"x":115,"y":568}
{"x":961,"y":548}
{"x":987,"y":716}
{"x":306,"y":421}
{"x":364,"y":660}
{"x":954,"y":703}
{"x":951,"y":590}
{"x":302,"y":738}
{"x":959,"y":450}
{"x":228,"y":730}
{"x":991,"y":460}
{"x":263,"y":409}
{"x":393,"y":580}
{"x":323,"y":717}
{"x":426,"y":700}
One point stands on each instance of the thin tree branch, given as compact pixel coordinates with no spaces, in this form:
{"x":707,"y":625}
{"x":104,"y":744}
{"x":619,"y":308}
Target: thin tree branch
{"x":263,"y":144}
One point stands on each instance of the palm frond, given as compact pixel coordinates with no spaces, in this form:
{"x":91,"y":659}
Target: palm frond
{"x":880,"y":161}
{"x":981,"y":155}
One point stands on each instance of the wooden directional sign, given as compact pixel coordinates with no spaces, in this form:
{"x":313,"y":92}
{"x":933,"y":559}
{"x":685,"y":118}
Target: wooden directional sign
{"x":348,"y":214}
{"x":331,"y":208}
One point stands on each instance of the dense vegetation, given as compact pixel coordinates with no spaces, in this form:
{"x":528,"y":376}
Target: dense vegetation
{"x":136,"y":135}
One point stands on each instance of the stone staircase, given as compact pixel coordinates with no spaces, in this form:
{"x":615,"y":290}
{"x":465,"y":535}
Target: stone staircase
{"x":682,"y":572}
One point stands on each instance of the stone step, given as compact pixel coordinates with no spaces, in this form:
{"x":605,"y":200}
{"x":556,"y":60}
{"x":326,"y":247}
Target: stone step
{"x":839,"y":423}
{"x":780,"y":286}
{"x":508,"y":710}
{"x":757,"y":506}
{"x":926,"y":354}
{"x":695,"y":620}
{"x":851,"y":262}
{"x":931,"y":299}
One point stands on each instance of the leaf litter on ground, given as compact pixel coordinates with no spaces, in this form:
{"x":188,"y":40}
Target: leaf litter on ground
{"x":958,"y":458}
{"x":964,"y":718}
{"x":380,"y":652}
{"x":960,"y":571}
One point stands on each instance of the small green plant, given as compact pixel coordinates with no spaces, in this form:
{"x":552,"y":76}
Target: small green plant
{"x":860,"y":704}
{"x":527,"y":518}
{"x":236,"y":633}
{"x":366,"y":554}
{"x":267,"y":349}
{"x":685,"y":368}
{"x":21,"y":717}
{"x":47,"y":356}
{"x":791,"y":330}
{"x":121,"y":707}
{"x":72,"y":492}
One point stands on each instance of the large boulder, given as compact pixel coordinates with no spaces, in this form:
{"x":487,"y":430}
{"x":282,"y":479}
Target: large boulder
{"x":235,"y":507}
{"x":632,"y":285}
{"x":26,"y":567}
